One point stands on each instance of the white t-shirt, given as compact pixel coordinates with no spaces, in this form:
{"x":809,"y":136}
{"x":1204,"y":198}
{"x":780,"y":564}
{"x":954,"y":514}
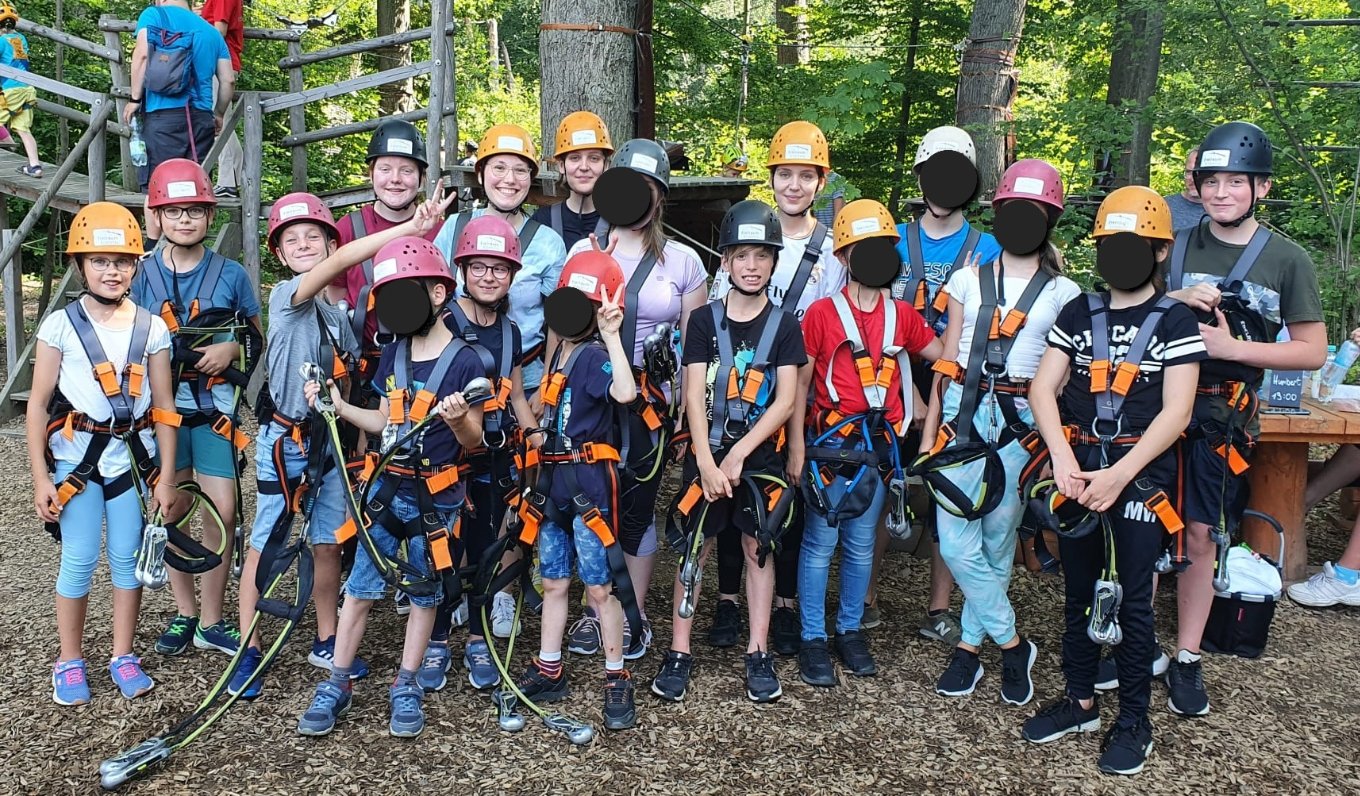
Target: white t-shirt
{"x":76,"y":381}
{"x":827,"y":278}
{"x":1031,"y":341}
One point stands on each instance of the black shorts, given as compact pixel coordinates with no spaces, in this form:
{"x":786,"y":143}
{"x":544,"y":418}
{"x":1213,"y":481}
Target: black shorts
{"x":175,"y":133}
{"x":1211,"y":490}
{"x":726,"y":514}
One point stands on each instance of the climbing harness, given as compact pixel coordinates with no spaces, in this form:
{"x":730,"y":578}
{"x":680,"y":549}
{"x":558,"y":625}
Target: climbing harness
{"x":912,"y":283}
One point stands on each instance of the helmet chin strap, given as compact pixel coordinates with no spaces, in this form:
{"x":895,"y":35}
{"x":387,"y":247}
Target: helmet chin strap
{"x":107,"y":302}
{"x":931,"y":211}
{"x":748,"y":293}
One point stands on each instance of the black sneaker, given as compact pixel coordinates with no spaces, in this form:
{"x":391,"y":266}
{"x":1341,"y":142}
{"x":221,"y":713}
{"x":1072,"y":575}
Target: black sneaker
{"x":1060,"y":717}
{"x":672,"y":681}
{"x":814,"y":663}
{"x":619,"y":711}
{"x":961,"y":675}
{"x":1186,"y":681}
{"x":761,"y":683}
{"x":726,"y":624}
{"x":1017,"y":688}
{"x":1107,"y":677}
{"x":785,"y":628}
{"x":542,"y":689}
{"x":1125,"y":749}
{"x":854,"y":653}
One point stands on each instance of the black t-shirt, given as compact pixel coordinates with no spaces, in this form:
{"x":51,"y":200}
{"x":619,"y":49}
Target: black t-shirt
{"x":588,"y":414}
{"x":1175,"y":342}
{"x":490,"y":337}
{"x":575,"y":226}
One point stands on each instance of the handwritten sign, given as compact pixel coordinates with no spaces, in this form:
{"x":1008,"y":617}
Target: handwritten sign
{"x":1285,"y":388}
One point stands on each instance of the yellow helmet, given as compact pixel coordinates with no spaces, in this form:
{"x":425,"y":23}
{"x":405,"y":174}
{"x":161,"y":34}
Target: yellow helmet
{"x":582,"y":130}
{"x":800,"y":144}
{"x":861,"y":219}
{"x":8,"y":13}
{"x":507,"y":139}
{"x":104,"y":228}
{"x":1137,"y":209}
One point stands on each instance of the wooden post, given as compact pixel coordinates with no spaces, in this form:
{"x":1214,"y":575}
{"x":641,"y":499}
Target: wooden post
{"x":297,"y":120}
{"x":1278,"y":477}
{"x":493,"y":53}
{"x":434,"y":139}
{"x":14,"y":295}
{"x":250,"y":187}
{"x":450,"y":123}
{"x":97,"y":155}
{"x":120,"y":78}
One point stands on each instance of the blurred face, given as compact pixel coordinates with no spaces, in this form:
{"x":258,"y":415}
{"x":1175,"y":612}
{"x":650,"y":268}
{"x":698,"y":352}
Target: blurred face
{"x":506,"y":180}
{"x":1191,"y":192}
{"x":582,"y":168}
{"x":795,"y":187}
{"x":1227,"y":196}
{"x":749,"y":266}
{"x":302,"y":245}
{"x":396,"y":181}
{"x":655,"y":188}
{"x":185,"y":225}
{"x":487,"y":279}
{"x":108,"y":275}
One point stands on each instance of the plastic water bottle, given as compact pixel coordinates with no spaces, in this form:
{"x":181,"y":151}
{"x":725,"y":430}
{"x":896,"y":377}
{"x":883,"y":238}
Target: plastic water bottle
{"x":1316,"y":376}
{"x":136,"y":146}
{"x":1334,"y":372}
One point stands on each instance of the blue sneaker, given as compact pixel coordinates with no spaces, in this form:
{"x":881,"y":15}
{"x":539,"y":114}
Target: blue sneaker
{"x":322,"y":656}
{"x":408,"y":717}
{"x":481,"y":672}
{"x":177,"y":637}
{"x":434,"y":668}
{"x":69,"y":686}
{"x":250,"y":661}
{"x":128,"y":676}
{"x":223,"y":637}
{"x":330,"y":703}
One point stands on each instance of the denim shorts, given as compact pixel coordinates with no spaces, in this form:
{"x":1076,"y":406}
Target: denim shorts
{"x":328,"y":510}
{"x":208,"y":452}
{"x":556,"y":551}
{"x":365,"y":583}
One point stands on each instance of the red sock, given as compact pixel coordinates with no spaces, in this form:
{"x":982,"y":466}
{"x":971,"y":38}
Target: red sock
{"x":552,"y":670}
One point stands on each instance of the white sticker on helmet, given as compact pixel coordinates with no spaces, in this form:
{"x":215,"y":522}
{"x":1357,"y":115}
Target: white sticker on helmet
{"x":864,"y":226}
{"x":583,"y":138}
{"x":385,"y":269}
{"x":400,"y":146}
{"x":1214,"y":158}
{"x":510,"y":142}
{"x":181,"y":188}
{"x":292,"y":210}
{"x":751,"y":232}
{"x":585,"y":283}
{"x":1121,"y":222}
{"x":800,"y":151}
{"x":491,"y":243}
{"x":1030,"y":185}
{"x":108,"y":237}
{"x":641,"y":161}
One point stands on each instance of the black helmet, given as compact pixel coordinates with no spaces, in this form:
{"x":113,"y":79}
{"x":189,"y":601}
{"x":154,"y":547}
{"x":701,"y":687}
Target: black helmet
{"x":645,"y":156}
{"x":397,"y":138}
{"x":1240,"y":147}
{"x":750,"y":221}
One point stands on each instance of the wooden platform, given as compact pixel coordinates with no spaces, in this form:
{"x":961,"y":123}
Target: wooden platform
{"x":74,"y":192}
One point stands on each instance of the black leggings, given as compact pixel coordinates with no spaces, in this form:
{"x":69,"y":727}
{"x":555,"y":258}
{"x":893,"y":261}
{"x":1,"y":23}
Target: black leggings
{"x":637,"y":501}
{"x":731,"y":558}
{"x":482,"y":517}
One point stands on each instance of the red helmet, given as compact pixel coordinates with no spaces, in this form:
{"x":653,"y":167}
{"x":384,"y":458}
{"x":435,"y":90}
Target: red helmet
{"x":179,"y":181}
{"x":409,"y":257}
{"x":488,"y":236}
{"x":1032,"y":179}
{"x":594,"y":273}
{"x":291,"y":208}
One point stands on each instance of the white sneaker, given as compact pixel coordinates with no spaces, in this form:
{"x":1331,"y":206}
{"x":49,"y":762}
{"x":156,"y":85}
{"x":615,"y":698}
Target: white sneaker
{"x":1325,"y":589}
{"x":460,"y":614}
{"x":1161,"y":665}
{"x":503,"y":622}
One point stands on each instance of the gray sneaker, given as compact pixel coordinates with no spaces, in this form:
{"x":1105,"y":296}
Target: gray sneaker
{"x":943,"y":627}
{"x":481,"y":672}
{"x":583,"y":637}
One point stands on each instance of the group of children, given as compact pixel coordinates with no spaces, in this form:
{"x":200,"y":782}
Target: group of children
{"x":822,"y":372}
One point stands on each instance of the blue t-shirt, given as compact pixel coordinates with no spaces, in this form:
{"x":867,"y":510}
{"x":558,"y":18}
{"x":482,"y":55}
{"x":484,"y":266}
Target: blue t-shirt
{"x":439,"y":446}
{"x":14,"y":52}
{"x":588,"y":415}
{"x":208,"y":48}
{"x":233,"y":291}
{"x":937,"y":256}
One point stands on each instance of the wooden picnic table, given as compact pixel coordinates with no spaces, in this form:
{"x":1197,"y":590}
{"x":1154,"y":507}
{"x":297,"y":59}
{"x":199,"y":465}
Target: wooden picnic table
{"x":1279,"y":476}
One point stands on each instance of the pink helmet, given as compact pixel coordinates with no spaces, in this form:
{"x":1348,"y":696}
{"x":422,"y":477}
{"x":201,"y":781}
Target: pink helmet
{"x":1032,"y":179}
{"x":295,"y":207}
{"x":409,"y":257}
{"x":488,"y":236}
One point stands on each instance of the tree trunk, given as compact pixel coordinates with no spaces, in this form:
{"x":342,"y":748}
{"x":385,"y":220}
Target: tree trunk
{"x":904,"y":119}
{"x":791,"y":17}
{"x":590,"y":70}
{"x":493,"y":54}
{"x":988,"y":81}
{"x":394,"y":16}
{"x":1135,"y":56}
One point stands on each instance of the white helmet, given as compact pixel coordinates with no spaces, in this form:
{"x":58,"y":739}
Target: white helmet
{"x":944,"y":138}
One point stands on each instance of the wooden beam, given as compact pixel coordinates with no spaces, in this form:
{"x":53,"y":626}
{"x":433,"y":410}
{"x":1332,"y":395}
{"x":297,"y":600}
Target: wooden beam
{"x":357,"y":47}
{"x":14,"y":294}
{"x":95,"y":156}
{"x":434,"y":139}
{"x":297,"y":119}
{"x":109,"y":24}
{"x":1312,"y":23}
{"x":74,"y":42}
{"x":367,"y":125}
{"x":51,"y":86}
{"x":451,"y":149}
{"x":20,"y":377}
{"x":250,"y":187}
{"x":120,"y":79}
{"x":71,"y":114}
{"x":344,"y":87}
{"x":229,"y":123}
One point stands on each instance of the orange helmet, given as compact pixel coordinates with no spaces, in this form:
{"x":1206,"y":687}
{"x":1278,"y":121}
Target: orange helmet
{"x":507,"y":139}
{"x":1137,"y":209}
{"x":105,"y":228}
{"x":582,"y":130}
{"x":862,"y":218}
{"x":799,"y":144}
{"x":594,"y":273}
{"x":179,"y":181}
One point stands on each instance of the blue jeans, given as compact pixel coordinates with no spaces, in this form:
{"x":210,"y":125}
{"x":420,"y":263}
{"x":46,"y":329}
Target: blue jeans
{"x":857,"y":562}
{"x":365,"y":583}
{"x":556,"y":551}
{"x":82,"y":523}
{"x":328,"y":511}
{"x":981,"y":553}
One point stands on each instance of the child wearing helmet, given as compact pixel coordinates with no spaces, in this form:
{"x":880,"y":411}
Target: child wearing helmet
{"x":741,"y":358}
{"x":664,"y":281}
{"x":581,"y":151}
{"x":486,"y":260}
{"x":415,"y":493}
{"x":507,"y":164}
{"x":570,"y":505}
{"x":1236,"y":275}
{"x":179,"y":282}
{"x":1141,"y":350}
{"x":96,"y":482}
{"x":971,"y":449}
{"x":306,"y":329}
{"x":858,"y":341}
{"x":16,"y":109}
